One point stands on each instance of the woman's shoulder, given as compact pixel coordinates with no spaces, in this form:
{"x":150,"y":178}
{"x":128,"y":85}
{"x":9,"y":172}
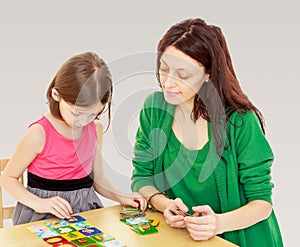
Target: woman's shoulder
{"x":245,"y":122}
{"x":155,"y":99}
{"x":155,"y":104}
{"x":243,"y":117}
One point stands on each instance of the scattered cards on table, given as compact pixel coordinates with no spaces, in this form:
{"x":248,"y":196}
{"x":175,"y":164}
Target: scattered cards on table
{"x":131,"y":212}
{"x":144,"y":228}
{"x":73,"y":232}
{"x":137,"y":221}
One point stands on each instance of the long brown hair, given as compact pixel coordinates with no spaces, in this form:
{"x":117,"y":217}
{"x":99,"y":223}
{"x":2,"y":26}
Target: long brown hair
{"x":207,"y":45}
{"x":83,"y":80}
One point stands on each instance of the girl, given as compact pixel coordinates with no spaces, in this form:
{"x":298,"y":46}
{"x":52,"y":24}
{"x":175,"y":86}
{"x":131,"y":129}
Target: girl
{"x":62,"y":150}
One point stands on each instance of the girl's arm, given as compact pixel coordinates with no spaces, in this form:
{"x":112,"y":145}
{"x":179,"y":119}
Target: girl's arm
{"x":29,"y":147}
{"x":103,"y":186}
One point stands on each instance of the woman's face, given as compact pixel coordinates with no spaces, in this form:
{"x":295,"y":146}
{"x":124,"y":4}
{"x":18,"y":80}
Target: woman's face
{"x":181,"y":77}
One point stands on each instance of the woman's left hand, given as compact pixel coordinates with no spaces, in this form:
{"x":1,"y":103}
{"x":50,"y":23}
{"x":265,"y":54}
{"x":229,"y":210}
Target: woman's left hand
{"x":203,"y":227}
{"x":135,"y":200}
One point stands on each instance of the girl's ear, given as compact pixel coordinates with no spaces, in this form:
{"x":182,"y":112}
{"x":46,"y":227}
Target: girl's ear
{"x":55,"y":95}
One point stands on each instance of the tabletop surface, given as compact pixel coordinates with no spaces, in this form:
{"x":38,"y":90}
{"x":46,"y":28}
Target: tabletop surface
{"x":108,"y":221}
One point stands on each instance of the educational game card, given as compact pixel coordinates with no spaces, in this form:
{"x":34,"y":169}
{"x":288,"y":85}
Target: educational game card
{"x":42,"y":231}
{"x":138,"y":222}
{"x":74,"y":219}
{"x":90,"y":231}
{"x":73,"y":232}
{"x":113,"y":243}
{"x":131,"y":212}
{"x":82,"y":225}
{"x":144,"y":228}
{"x":64,"y":229}
{"x":84,"y":241}
{"x":72,"y":235}
{"x":103,"y":237}
{"x":56,"y":223}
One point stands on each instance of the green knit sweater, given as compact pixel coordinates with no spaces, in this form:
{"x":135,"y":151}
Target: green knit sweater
{"x":244,"y":177}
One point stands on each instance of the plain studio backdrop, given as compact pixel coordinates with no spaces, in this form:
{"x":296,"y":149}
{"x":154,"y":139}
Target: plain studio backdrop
{"x":263,"y":38}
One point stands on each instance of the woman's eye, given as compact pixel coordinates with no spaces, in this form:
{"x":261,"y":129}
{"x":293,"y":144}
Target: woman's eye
{"x":183,"y":76}
{"x":164,"y":70}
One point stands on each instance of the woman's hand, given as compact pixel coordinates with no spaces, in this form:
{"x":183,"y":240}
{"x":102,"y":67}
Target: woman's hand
{"x":202,"y":227}
{"x":56,"y":205}
{"x":135,"y":200}
{"x":176,"y":221}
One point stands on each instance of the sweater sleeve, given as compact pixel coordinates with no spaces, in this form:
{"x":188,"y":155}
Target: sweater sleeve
{"x":254,"y":158}
{"x":143,"y":161}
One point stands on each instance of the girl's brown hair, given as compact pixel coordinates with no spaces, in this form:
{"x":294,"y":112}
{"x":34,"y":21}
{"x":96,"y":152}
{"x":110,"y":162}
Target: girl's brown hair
{"x":206,"y":44}
{"x":83,"y":80}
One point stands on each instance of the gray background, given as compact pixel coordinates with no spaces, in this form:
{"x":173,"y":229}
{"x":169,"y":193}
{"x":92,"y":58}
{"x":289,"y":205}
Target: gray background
{"x":263,"y":38}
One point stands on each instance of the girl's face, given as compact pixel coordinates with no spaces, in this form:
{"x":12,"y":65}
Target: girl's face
{"x":78,"y":117}
{"x":181,"y":77}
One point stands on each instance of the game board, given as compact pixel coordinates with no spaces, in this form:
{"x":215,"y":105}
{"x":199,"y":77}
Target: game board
{"x":73,"y":232}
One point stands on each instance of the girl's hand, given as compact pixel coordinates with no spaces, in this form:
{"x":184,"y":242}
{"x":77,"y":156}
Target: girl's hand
{"x":176,"y":221}
{"x":135,"y":200}
{"x":203,"y":227}
{"x":56,"y":205}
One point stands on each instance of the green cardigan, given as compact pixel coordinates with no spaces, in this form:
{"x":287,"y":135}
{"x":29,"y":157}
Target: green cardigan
{"x":244,"y":177}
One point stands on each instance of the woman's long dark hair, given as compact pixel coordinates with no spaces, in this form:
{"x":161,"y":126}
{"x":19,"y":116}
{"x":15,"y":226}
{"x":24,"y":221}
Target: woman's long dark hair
{"x":206,"y":44}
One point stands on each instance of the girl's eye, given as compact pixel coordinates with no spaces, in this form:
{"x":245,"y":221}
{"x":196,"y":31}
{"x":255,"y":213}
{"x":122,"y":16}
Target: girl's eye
{"x":75,"y":114}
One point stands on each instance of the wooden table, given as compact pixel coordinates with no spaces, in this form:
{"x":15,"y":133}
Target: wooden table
{"x":108,"y":220}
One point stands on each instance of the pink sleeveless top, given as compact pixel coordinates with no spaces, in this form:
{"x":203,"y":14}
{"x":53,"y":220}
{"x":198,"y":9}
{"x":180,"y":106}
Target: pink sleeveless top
{"x":62,"y":158}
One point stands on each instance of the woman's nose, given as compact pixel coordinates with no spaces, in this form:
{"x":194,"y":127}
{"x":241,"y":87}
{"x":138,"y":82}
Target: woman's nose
{"x":170,"y":81}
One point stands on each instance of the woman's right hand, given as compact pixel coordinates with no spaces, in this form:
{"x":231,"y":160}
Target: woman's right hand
{"x":56,"y":205}
{"x":176,"y":221}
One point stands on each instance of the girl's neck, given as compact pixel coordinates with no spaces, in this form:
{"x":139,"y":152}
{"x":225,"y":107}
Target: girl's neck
{"x":63,"y":128}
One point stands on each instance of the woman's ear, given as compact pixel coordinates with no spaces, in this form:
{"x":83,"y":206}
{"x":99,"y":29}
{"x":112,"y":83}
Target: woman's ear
{"x":55,"y":95}
{"x":207,"y":77}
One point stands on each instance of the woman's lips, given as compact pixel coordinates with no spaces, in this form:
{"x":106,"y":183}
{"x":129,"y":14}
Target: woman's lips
{"x":172,"y":93}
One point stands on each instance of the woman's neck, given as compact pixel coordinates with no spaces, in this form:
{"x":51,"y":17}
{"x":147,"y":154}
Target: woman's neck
{"x":183,"y":112}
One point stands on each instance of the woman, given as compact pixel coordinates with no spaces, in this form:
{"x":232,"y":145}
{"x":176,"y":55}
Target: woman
{"x":200,"y":148}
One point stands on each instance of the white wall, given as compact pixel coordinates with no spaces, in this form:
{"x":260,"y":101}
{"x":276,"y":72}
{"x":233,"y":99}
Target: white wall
{"x":263,"y":37}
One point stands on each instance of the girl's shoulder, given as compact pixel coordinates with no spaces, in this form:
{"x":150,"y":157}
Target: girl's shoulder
{"x":35,"y":136}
